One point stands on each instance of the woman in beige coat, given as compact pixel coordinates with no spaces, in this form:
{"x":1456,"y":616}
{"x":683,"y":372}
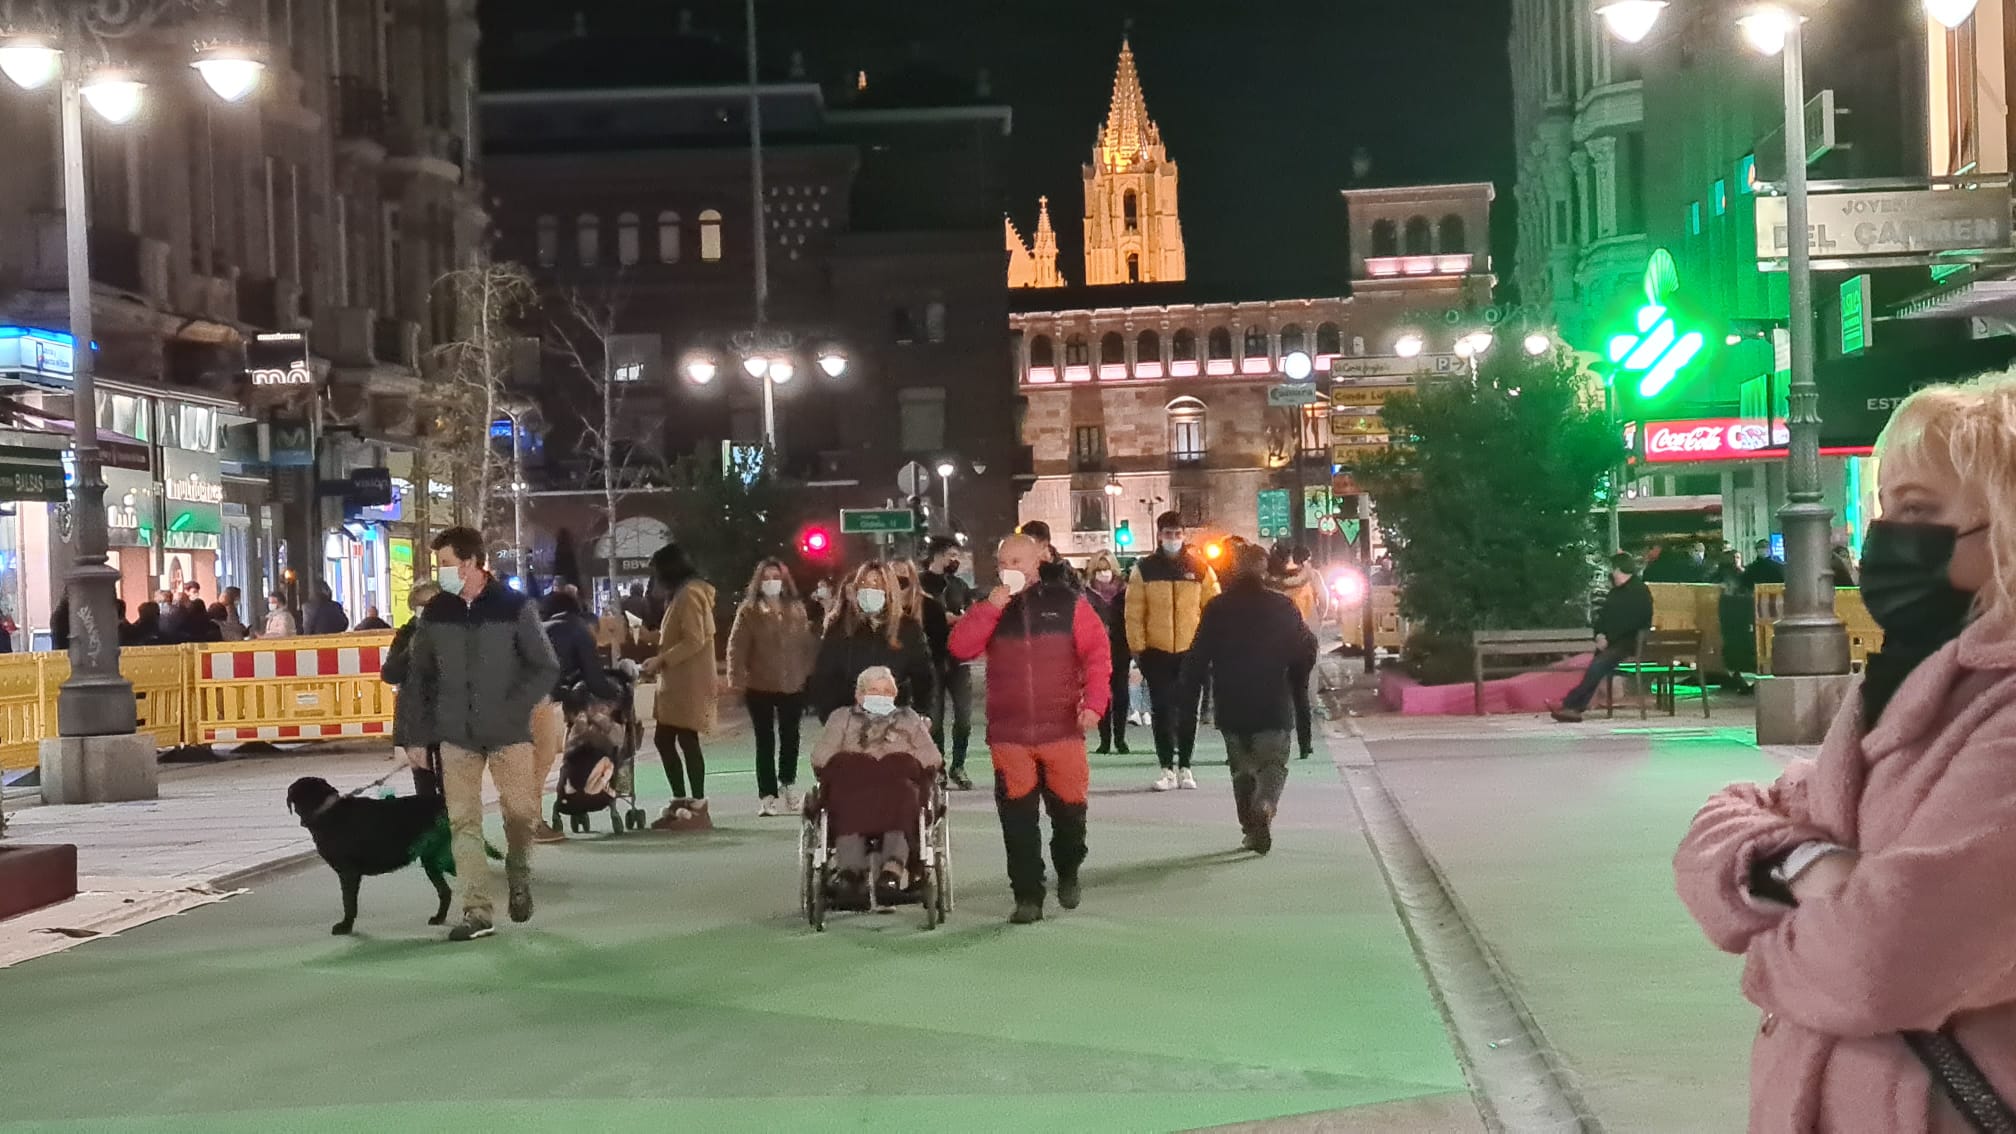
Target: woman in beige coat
{"x":688,"y":681}
{"x":769,"y":658}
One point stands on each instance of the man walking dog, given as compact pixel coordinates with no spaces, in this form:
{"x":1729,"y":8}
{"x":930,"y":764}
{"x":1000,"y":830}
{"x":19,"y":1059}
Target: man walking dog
{"x":479,"y":663}
{"x":1048,"y":680}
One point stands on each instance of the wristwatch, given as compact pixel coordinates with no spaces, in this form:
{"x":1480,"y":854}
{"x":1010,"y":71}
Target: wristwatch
{"x":1803,"y":856}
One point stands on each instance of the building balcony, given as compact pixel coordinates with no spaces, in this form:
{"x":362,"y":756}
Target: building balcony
{"x":345,"y":336}
{"x":1401,"y":267}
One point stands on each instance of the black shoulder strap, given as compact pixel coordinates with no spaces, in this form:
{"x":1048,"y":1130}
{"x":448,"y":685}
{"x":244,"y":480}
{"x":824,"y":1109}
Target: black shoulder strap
{"x":1968,"y":1089}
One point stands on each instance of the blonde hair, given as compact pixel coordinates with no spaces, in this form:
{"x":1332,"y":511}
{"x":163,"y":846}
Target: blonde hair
{"x":909,"y":590}
{"x":422,"y":594}
{"x":753,"y":596}
{"x":1968,"y":428}
{"x":846,"y":614}
{"x":1102,"y":561}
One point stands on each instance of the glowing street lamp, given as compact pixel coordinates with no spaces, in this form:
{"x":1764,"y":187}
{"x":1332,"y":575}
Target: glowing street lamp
{"x":115,"y":95}
{"x":1298,"y":366}
{"x":1408,"y":345}
{"x":1538,"y":343}
{"x":1631,"y":20}
{"x":1950,"y":13}
{"x":1766,"y":28}
{"x":757,"y":365}
{"x":781,"y":370}
{"x":700,"y":370}
{"x":30,"y":61}
{"x":232,"y":70}
{"x":833,"y":363}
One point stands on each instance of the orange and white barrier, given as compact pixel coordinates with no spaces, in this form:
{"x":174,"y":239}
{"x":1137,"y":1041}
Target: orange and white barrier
{"x":287,"y":689}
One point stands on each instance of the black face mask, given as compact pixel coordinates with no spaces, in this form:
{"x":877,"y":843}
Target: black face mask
{"x":1905,"y":584}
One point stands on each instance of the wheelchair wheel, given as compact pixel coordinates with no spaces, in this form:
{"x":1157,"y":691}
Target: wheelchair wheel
{"x":816,"y":910}
{"x":942,"y":870}
{"x":927,"y":897}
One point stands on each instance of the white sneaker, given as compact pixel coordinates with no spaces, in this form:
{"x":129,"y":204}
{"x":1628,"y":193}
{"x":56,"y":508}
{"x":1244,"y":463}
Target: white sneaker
{"x":793,"y":802}
{"x":768,"y":807}
{"x":1166,"y":782}
{"x":1186,"y":781}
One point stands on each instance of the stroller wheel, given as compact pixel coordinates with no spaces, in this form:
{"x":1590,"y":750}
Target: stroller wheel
{"x":615,"y":820}
{"x":578,"y":824}
{"x":556,"y":816}
{"x":635,"y":819}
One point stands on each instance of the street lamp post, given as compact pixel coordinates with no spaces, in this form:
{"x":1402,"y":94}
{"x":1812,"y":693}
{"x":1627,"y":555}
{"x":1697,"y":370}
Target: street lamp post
{"x":1113,"y":490}
{"x":946,"y":468}
{"x":97,"y":755}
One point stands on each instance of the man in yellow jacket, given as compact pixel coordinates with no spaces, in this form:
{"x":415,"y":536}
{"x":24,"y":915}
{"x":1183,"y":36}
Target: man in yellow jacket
{"x":1165,"y":600}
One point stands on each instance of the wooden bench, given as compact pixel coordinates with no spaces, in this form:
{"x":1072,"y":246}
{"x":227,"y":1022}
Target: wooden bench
{"x":1665,"y":656}
{"x":1485,"y":644}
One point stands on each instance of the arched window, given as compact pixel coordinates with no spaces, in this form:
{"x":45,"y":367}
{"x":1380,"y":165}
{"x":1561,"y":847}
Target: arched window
{"x":1186,"y":431}
{"x":1453,"y":236}
{"x":934,"y":322}
{"x":1133,"y":267}
{"x":1148,"y":347}
{"x":548,"y":240}
{"x":1256,"y":342}
{"x":1291,"y":339}
{"x":1385,"y":238}
{"x":588,"y":239}
{"x":1183,"y":348}
{"x":1130,"y":212}
{"x":1076,"y":352}
{"x":1040,"y":352}
{"x":1112,"y":349}
{"x":1219,"y":343}
{"x":627,"y":239}
{"x":710,"y":235}
{"x":1329,"y":340}
{"x":668,"y":237}
{"x":1420,"y":237}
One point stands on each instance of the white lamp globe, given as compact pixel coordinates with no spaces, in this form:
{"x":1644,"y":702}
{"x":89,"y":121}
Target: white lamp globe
{"x":781,"y":370}
{"x":1408,"y":345}
{"x":1631,"y":20}
{"x":833,"y":363}
{"x":756,"y":365}
{"x":29,"y":62}
{"x":700,"y":371}
{"x":116,"y":96}
{"x":1765,"y":29}
{"x":232,"y":76}
{"x":1950,"y":13}
{"x":1297,"y":365}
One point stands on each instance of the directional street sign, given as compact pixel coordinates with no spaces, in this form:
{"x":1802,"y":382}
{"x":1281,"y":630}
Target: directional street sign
{"x":876,"y":521}
{"x":1274,"y":511}
{"x":1293,"y":394}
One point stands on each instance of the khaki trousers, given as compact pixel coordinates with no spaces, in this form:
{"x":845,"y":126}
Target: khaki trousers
{"x":517,"y":796}
{"x":549,"y":739}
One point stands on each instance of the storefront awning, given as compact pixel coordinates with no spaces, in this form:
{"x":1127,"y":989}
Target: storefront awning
{"x":1962,"y":301}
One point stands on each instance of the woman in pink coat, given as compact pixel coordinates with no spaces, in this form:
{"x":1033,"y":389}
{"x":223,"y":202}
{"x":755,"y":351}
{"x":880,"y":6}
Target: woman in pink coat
{"x":1872,"y":894}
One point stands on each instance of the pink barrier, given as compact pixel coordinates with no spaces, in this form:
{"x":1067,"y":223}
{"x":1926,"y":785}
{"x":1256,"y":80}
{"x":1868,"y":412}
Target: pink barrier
{"x":1521,"y":693}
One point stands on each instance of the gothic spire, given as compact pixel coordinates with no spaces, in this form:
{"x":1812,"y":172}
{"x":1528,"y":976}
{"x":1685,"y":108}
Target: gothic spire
{"x":1128,"y":131}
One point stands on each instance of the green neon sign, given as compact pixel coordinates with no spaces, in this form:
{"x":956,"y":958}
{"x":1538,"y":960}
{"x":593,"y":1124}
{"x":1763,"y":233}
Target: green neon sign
{"x":1659,"y":349}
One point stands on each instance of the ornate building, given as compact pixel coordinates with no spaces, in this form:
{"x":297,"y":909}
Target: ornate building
{"x":1132,"y":232}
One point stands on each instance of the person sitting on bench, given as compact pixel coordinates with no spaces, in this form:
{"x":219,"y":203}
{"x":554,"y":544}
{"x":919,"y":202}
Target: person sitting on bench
{"x":1626,"y":613}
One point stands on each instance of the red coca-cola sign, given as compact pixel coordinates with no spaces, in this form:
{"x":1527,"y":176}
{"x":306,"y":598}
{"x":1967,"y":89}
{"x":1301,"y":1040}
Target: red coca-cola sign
{"x":1712,"y":439}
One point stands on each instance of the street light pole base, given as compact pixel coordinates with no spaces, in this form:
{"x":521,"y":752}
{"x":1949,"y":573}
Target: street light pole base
{"x":1798,"y":710}
{"x":99,"y":769}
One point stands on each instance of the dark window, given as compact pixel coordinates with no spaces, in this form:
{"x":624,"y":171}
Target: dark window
{"x":1148,"y":348}
{"x":1220,"y":343}
{"x":1631,"y":183}
{"x":1112,"y":349}
{"x":1328,"y":339}
{"x":1130,"y":212}
{"x":1183,"y":348}
{"x":1133,"y":268}
{"x":902,"y":326}
{"x":1076,"y":353}
{"x":1040,"y":352}
{"x":1190,"y":506}
{"x":1385,"y":238}
{"x":1291,"y":338}
{"x":1186,"y":433}
{"x":1420,"y":237}
{"x":934,"y":322}
{"x":1256,"y":342}
{"x":1454,"y":237}
{"x":1088,"y":511}
{"x":1088,"y":447}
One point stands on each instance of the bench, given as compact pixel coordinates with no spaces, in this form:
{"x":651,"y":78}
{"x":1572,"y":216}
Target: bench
{"x":1486,"y":644}
{"x":1665,"y":656}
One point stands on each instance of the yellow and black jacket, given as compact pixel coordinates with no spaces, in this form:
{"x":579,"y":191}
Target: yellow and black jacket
{"x":1165,"y":599}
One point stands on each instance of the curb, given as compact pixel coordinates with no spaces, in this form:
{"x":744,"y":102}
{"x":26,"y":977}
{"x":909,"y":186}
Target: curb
{"x":1515,"y":1077}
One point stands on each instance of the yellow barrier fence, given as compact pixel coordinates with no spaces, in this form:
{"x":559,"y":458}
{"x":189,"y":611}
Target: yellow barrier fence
{"x":1389,"y":630}
{"x":284,"y":689}
{"x":1864,"y":636}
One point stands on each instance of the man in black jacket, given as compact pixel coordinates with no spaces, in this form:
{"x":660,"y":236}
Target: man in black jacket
{"x":946,"y":597}
{"x":1253,"y":646}
{"x":1626,"y":614}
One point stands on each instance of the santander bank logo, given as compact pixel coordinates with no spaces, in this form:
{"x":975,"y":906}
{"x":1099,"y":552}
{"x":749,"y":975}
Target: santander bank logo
{"x":1715,"y":439}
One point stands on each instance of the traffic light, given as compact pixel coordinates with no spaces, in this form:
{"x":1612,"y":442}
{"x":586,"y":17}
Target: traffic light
{"x":1123,"y":536}
{"x":815,"y":542}
{"x":1660,"y":344}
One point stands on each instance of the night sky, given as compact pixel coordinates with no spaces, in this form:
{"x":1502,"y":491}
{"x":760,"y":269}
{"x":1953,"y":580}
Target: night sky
{"x":1260,"y":104}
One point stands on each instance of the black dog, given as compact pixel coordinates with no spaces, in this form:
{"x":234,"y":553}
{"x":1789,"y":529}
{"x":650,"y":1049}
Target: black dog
{"x":357,"y":836}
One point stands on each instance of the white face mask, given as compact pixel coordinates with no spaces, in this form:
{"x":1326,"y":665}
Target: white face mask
{"x":773,"y":588}
{"x":450,"y":579}
{"x":821,"y":593}
{"x":871,"y":600}
{"x":1103,"y":576}
{"x":1172,"y":547}
{"x":1014,"y":580}
{"x":877,"y":705}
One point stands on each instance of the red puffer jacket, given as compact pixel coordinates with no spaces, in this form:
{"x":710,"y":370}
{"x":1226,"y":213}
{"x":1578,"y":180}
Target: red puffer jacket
{"x":1047,"y":658}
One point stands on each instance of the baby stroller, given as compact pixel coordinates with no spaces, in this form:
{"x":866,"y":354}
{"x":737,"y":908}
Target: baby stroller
{"x":862,"y":795}
{"x":598,"y":767}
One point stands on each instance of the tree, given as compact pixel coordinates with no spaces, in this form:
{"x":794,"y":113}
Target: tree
{"x":470,"y":382}
{"x":1485,"y":501}
{"x":728,"y":520}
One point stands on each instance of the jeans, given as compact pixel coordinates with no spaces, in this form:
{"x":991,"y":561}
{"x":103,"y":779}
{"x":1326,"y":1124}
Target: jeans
{"x":775,"y":718}
{"x":673,"y":743}
{"x":955,"y":684}
{"x":1175,"y":730}
{"x":1057,"y":776}
{"x":1113,"y":726}
{"x":517,"y":796}
{"x":1600,"y":668}
{"x":1259,"y":763}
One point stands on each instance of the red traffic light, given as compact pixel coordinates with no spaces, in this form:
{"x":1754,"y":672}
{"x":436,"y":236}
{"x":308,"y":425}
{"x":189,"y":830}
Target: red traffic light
{"x":815,"y":541}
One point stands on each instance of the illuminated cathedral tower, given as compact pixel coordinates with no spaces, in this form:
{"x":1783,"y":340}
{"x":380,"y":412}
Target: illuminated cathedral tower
{"x":1132,"y":234}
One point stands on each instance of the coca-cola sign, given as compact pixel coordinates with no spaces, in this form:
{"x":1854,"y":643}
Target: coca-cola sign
{"x":1713,"y":439}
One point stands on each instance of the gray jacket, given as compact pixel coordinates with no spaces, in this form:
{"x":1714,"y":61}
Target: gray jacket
{"x":474,"y":671}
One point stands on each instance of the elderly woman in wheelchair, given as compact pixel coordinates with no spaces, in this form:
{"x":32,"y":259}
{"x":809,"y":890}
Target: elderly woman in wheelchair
{"x":875,"y":763}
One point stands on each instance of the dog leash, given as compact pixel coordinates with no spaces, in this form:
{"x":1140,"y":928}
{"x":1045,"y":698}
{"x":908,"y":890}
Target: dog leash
{"x":379,"y":782}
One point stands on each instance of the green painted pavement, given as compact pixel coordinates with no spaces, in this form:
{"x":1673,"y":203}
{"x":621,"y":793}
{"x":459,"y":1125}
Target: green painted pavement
{"x":671,"y":980}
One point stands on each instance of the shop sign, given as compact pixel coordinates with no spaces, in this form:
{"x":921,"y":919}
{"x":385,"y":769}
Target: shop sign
{"x":30,"y":350}
{"x":1898,"y":222}
{"x":1393,"y":366}
{"x":370,"y":488}
{"x":293,"y":445}
{"x":194,"y":487}
{"x":1711,"y":439}
{"x":130,"y":506}
{"x":277,"y":369}
{"x":31,"y":474}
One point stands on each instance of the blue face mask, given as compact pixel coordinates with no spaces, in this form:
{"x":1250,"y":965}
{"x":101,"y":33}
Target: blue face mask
{"x":1172,"y":547}
{"x":877,"y":705}
{"x":450,"y":579}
